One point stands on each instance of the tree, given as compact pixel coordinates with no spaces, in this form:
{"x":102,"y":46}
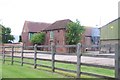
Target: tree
{"x":20,"y":39}
{"x":38,"y":38}
{"x":6,"y":35}
{"x":74,"y":32}
{"x":1,"y":33}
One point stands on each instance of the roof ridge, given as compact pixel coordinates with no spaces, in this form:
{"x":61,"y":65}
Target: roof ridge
{"x":35,"y":26}
{"x":62,"y":20}
{"x":59,"y":24}
{"x":35,"y":22}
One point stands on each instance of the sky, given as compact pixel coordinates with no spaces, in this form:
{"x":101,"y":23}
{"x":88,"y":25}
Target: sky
{"x":13,"y":13}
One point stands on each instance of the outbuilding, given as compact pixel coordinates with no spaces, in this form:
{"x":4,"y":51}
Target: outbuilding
{"x":110,"y":34}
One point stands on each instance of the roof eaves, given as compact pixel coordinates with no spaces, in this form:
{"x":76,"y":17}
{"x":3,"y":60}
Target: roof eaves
{"x":110,"y":22}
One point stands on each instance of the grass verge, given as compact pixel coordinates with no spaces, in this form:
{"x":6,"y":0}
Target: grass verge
{"x":101,"y":71}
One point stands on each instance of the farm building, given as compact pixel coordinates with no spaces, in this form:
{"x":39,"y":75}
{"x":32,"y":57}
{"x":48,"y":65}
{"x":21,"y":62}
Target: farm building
{"x":110,"y":34}
{"x":29,"y":29}
{"x":91,"y":37}
{"x":56,"y":32}
{"x":58,"y":29}
{"x":95,"y":36}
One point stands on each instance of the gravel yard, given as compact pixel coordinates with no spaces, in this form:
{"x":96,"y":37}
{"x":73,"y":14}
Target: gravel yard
{"x":73,"y":58}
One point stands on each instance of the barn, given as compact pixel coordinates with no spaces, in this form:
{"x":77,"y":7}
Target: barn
{"x":109,"y":33}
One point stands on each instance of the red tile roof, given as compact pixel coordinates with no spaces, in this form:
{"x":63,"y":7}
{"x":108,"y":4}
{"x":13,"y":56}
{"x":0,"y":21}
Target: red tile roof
{"x":60,"y":24}
{"x":88,"y":31}
{"x":36,"y":26}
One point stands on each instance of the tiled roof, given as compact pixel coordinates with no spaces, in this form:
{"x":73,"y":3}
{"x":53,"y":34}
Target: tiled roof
{"x":60,"y":24}
{"x":88,"y":31}
{"x":36,"y":26}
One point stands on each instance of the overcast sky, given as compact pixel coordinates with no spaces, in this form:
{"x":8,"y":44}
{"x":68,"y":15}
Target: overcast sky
{"x":13,"y":13}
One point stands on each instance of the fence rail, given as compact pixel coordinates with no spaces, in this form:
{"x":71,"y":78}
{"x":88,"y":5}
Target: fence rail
{"x":78,"y":63}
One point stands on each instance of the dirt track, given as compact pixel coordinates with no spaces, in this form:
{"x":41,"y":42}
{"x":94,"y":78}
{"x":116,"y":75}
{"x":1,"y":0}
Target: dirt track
{"x":73,"y":58}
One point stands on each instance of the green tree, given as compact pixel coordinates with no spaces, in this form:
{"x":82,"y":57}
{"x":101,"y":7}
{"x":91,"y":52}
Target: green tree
{"x":1,"y":33}
{"x":6,"y":35}
{"x":20,"y":39}
{"x":38,"y":38}
{"x":74,"y":32}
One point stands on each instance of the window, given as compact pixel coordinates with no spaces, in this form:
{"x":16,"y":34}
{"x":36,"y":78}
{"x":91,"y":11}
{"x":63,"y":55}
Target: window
{"x":51,"y":35}
{"x":58,"y":41}
{"x":30,"y":35}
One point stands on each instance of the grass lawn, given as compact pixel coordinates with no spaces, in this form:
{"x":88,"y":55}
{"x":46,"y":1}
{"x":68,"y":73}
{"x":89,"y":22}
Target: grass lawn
{"x":27,"y":71}
{"x":17,"y":71}
{"x":0,"y":69}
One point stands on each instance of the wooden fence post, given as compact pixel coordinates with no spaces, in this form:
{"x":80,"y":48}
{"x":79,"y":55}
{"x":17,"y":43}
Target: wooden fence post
{"x":3,"y":54}
{"x":78,"y":59}
{"x":21,"y":55}
{"x":35,"y":55}
{"x":53,"y":56}
{"x":12,"y":55}
{"x":117,"y":61}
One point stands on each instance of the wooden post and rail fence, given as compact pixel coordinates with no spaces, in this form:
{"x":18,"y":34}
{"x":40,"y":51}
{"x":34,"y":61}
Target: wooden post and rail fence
{"x":78,"y":63}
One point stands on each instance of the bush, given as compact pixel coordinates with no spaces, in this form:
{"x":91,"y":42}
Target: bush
{"x":38,"y":38}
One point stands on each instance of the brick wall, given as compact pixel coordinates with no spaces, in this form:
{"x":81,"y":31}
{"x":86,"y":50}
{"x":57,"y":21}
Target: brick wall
{"x":59,"y":39}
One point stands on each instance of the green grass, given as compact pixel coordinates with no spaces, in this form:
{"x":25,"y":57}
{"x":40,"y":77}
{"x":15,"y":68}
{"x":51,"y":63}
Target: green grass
{"x":0,"y":69}
{"x":16,"y":68}
{"x":101,"y":71}
{"x":17,"y":71}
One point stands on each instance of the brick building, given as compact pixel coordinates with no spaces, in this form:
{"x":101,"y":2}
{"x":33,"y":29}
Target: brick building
{"x":30,"y":28}
{"x":55,"y":31}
